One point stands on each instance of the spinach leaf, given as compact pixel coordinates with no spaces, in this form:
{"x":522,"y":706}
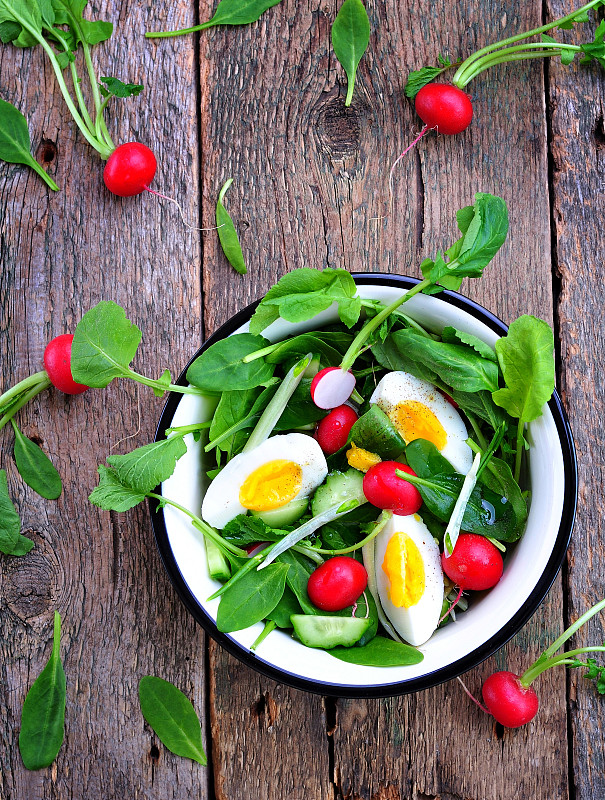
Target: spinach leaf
{"x":481,"y":405}
{"x":348,"y":529}
{"x":299,"y":346}
{"x":526,"y":359}
{"x":454,"y":364}
{"x":172,"y":717}
{"x":43,"y":715}
{"x":221,"y":367}
{"x":350,"y":39}
{"x":11,"y":541}
{"x":420,"y":77}
{"x":305,"y":292}
{"x":375,"y":432}
{"x":146,"y":467}
{"x":15,"y":143}
{"x":250,"y":599}
{"x":498,"y":477}
{"x":233,"y":407}
{"x":364,"y":608}
{"x":111,"y":495}
{"x":297,"y":578}
{"x":115,"y":88}
{"x":287,"y":606}
{"x":35,"y":467}
{"x":426,"y":460}
{"x":484,"y":227}
{"x":104,"y":344}
{"x":228,"y":12}
{"x":227,"y":234}
{"x":301,"y":410}
{"x":379,"y":652}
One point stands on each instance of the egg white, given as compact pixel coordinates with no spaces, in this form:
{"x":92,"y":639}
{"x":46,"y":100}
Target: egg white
{"x":221,"y":502}
{"x":417,"y":623}
{"x":398,"y":387}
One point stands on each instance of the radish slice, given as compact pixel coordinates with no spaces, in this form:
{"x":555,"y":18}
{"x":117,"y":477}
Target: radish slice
{"x":332,"y":387}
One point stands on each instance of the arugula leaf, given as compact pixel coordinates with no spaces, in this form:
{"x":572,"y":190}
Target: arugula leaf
{"x":35,"y":467}
{"x":452,"y":335}
{"x":11,"y":541}
{"x":526,"y":359}
{"x":104,"y":344}
{"x":350,"y":39}
{"x":221,"y":367}
{"x":172,"y":717}
{"x":43,"y":715}
{"x":111,"y":495}
{"x":146,"y":467}
{"x":483,"y":234}
{"x":115,"y":88}
{"x":305,"y":292}
{"x":15,"y":142}
{"x":420,"y":77}
{"x":250,"y":599}
{"x":227,"y":234}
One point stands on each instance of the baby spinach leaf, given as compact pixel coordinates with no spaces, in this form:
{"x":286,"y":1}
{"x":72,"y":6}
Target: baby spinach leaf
{"x":115,"y":88}
{"x":526,"y":359}
{"x":301,"y":410}
{"x":364,"y":608}
{"x":379,"y":652}
{"x":481,"y":405}
{"x":375,"y":432}
{"x":297,"y":578}
{"x":171,"y":715}
{"x":228,"y":12}
{"x":221,"y":367}
{"x":426,"y":460}
{"x":233,"y":407}
{"x":43,"y":715}
{"x":146,"y":467}
{"x":287,"y":606}
{"x":250,"y":599}
{"x":15,"y":143}
{"x":420,"y":77}
{"x":104,"y":344}
{"x":111,"y":495}
{"x":498,"y":477}
{"x":11,"y":541}
{"x":299,"y":346}
{"x":305,"y":292}
{"x":350,"y":39}
{"x":35,"y":467}
{"x":228,"y":235}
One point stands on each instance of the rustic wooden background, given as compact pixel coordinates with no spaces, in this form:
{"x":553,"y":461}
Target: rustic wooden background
{"x":264,"y":104}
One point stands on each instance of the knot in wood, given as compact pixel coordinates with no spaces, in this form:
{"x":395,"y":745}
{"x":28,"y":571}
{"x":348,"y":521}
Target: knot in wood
{"x":338,"y":128}
{"x":31,"y":584}
{"x":47,"y":151}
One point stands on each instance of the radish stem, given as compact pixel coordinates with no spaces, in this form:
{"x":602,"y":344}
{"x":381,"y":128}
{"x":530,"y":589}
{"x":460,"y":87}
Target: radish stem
{"x":23,"y":400}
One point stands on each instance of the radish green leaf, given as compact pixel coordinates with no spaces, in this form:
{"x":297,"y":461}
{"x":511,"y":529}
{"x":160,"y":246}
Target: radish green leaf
{"x":111,"y":495}
{"x":146,"y":467}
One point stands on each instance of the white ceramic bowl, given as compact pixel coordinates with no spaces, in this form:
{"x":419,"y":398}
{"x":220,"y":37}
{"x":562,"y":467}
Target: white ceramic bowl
{"x":493,"y":618}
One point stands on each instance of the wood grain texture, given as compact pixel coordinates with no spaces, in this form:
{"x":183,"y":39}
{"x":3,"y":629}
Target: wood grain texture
{"x":578,"y":178}
{"x":61,"y":253}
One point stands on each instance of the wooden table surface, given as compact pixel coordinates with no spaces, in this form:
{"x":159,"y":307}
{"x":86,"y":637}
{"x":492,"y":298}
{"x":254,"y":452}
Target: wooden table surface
{"x":264,"y":104}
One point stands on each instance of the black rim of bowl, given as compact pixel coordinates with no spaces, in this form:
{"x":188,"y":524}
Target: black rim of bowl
{"x":437,"y":676}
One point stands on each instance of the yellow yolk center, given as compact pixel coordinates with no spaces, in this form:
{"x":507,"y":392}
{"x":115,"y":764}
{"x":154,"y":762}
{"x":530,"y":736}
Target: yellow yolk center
{"x":272,"y":485}
{"x":404,"y":568}
{"x":361,"y":459}
{"x":414,"y":420}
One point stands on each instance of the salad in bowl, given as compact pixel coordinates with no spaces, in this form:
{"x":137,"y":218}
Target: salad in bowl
{"x":374,"y":485}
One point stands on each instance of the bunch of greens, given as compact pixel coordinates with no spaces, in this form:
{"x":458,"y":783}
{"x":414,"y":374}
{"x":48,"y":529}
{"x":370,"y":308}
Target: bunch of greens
{"x":509,"y":50}
{"x":60,"y":29}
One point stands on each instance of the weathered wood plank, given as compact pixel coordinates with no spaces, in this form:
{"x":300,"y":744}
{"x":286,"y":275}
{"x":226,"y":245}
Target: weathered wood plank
{"x":578,"y":180}
{"x":61,"y":253}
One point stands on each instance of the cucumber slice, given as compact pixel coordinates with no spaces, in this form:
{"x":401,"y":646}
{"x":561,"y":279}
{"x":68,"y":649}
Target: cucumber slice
{"x":218,"y":566}
{"x":286,"y":515}
{"x":327,"y":632}
{"x":339,"y":487}
{"x":375,"y":433}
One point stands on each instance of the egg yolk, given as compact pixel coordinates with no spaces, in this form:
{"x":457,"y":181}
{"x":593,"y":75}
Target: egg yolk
{"x":361,"y":459}
{"x":414,"y":420}
{"x":271,"y":485}
{"x":404,"y":568}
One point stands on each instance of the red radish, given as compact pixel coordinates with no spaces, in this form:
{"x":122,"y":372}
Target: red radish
{"x":130,"y":169}
{"x":333,"y":430}
{"x":337,"y":583}
{"x":57,"y":363}
{"x":475,"y":563}
{"x":508,"y":701}
{"x":444,"y":107}
{"x":384,"y":489}
{"x":332,"y":387}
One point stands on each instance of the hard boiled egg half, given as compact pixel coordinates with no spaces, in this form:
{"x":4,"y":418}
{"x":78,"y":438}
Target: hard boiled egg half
{"x":271,"y":475}
{"x":418,"y":411}
{"x":409,"y":577}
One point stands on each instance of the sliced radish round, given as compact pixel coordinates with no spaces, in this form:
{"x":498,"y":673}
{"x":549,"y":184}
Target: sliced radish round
{"x":332,"y":387}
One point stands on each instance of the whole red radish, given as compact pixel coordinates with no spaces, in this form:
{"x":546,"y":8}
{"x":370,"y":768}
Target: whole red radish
{"x":444,"y":107}
{"x":337,"y":583}
{"x":508,"y":701}
{"x":57,"y":363}
{"x":333,"y":430}
{"x":384,"y":489}
{"x":332,"y":387}
{"x":475,"y":563}
{"x":130,"y":169}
